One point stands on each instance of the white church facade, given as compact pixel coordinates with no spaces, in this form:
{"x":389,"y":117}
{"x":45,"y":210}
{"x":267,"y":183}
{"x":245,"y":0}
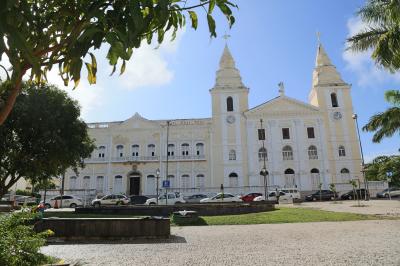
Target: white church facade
{"x":306,"y":143}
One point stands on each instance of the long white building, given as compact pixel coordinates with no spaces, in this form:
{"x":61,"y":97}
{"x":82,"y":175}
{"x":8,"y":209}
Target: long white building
{"x":306,"y":143}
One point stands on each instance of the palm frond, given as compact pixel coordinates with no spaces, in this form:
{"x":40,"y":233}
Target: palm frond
{"x":366,"y":39}
{"x":385,"y":124}
{"x":393,"y":97}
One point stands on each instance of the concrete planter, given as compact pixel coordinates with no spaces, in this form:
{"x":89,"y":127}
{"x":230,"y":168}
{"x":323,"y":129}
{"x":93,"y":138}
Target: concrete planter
{"x":85,"y":229}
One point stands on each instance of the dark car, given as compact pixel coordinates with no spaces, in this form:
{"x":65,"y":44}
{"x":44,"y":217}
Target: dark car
{"x":324,"y":195}
{"x":250,"y":197}
{"x":195,"y":198}
{"x":138,"y":199}
{"x":358,"y":194}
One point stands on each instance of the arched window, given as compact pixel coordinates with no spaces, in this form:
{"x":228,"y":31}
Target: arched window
{"x":135,"y":150}
{"x":289,"y":178}
{"x":120,"y":151}
{"x":312,"y":153}
{"x":262,"y":153}
{"x":334,"y":100}
{"x":171,"y":179}
{"x":199,"y":149}
{"x":102,"y":151}
{"x":151,"y":149}
{"x":185,"y":149}
{"x":100,"y":184}
{"x":345,"y":175}
{"x":171,"y":150}
{"x":185,"y":181}
{"x":200,"y":181}
{"x":233,"y":180}
{"x":86,"y":182}
{"x":229,"y":104}
{"x":315,"y":179}
{"x":287,"y":153}
{"x":73,"y":182}
{"x":118,"y":184}
{"x":342,"y":151}
{"x":232,"y":155}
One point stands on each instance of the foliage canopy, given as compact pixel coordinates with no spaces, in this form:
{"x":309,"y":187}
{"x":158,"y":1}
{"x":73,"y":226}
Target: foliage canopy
{"x":40,"y":34}
{"x":42,"y":137}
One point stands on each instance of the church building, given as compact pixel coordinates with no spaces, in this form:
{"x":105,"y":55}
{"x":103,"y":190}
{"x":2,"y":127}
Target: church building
{"x":306,"y":144}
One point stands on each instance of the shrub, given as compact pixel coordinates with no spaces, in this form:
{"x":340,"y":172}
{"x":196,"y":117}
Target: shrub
{"x":19,"y":243}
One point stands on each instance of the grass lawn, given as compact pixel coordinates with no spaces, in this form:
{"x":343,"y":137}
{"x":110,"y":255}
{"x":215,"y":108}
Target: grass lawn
{"x":284,"y":215}
{"x":281,"y":215}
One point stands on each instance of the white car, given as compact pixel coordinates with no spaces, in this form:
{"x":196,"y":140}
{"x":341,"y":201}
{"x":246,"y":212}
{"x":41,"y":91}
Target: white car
{"x":222,"y":197}
{"x":173,"y":198}
{"x":68,"y":201}
{"x":111,"y":200}
{"x":272,"y":196}
{"x":294,"y":192}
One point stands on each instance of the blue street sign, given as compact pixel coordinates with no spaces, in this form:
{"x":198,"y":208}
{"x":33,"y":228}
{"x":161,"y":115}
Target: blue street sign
{"x":165,"y":183}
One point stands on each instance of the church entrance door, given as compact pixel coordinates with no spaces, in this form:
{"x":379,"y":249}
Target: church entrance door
{"x":134,"y":185}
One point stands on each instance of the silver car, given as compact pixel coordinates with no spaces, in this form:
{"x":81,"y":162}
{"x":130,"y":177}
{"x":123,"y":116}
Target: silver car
{"x":394,"y":192}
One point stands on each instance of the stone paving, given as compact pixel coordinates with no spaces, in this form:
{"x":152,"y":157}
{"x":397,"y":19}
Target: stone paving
{"x":382,"y":207}
{"x":326,"y":243}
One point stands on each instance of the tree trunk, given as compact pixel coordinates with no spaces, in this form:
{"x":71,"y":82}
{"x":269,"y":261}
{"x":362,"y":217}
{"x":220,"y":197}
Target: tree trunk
{"x":10,"y":101}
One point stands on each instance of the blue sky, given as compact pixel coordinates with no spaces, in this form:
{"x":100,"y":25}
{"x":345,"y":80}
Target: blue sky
{"x":272,"y":41}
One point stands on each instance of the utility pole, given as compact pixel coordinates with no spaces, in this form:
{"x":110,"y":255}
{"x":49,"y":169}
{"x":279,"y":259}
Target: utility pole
{"x":362,"y":160}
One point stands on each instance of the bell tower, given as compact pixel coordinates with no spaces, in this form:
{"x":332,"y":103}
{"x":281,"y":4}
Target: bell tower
{"x":229,"y":101}
{"x":333,"y":96}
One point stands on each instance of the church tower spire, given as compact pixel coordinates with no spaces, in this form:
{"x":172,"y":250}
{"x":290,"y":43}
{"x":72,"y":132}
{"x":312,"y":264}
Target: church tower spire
{"x":325,"y":72}
{"x":228,"y":75}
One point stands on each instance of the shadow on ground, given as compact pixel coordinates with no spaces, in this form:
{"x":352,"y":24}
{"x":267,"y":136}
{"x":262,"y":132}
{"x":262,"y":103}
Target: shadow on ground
{"x":171,"y":239}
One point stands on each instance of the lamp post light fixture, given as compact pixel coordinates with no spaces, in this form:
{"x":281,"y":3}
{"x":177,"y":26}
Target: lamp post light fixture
{"x":158,"y":177}
{"x":263,"y":172}
{"x":362,"y":159}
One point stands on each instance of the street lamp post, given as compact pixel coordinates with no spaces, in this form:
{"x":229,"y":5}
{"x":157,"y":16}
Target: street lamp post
{"x":158,"y":177}
{"x":362,"y":159}
{"x":261,"y":136}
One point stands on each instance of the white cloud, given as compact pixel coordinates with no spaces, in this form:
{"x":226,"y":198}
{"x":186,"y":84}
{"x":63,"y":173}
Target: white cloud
{"x":148,"y":66}
{"x":89,"y":96}
{"x":361,"y":64}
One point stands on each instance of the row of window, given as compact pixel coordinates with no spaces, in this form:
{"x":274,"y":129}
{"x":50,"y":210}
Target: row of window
{"x":151,"y":150}
{"x":287,"y":153}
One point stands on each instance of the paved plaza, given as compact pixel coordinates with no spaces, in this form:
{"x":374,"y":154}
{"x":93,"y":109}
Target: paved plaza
{"x":326,"y":243}
{"x":382,"y":207}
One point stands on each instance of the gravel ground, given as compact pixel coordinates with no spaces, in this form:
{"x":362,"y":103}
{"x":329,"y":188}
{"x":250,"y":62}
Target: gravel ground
{"x":377,"y":207}
{"x":325,"y":243}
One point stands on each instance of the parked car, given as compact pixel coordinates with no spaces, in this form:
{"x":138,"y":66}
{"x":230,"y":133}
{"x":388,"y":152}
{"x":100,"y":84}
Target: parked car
{"x":359,"y":193}
{"x":394,"y":192}
{"x":173,"y":198}
{"x":194,"y":198}
{"x":222,"y":197}
{"x":68,"y":201}
{"x":138,"y":199}
{"x":112,"y":199}
{"x":272,"y":196}
{"x":250,"y":197}
{"x":22,"y":200}
{"x":294,"y":192}
{"x":324,"y":195}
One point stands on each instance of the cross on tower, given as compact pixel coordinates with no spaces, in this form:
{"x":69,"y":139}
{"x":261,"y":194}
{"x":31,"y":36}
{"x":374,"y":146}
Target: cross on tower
{"x":226,"y":36}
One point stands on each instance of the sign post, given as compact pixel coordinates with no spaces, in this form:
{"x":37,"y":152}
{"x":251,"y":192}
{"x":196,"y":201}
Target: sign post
{"x":166,"y":185}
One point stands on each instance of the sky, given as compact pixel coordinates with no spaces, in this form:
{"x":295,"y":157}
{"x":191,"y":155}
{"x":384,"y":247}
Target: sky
{"x":271,"y":41}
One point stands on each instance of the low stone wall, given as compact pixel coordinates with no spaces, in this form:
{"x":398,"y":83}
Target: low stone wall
{"x":86,"y":229}
{"x":209,"y":209}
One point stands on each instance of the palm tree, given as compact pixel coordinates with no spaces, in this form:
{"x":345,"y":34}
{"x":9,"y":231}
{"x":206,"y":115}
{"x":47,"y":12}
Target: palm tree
{"x":382,"y":33}
{"x":387,"y":123}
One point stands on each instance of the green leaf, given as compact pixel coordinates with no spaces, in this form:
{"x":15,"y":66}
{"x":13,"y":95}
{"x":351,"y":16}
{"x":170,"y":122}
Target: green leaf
{"x":193,"y":17}
{"x":211,"y":6}
{"x":91,"y":77}
{"x":123,"y":67}
{"x":211,"y":25}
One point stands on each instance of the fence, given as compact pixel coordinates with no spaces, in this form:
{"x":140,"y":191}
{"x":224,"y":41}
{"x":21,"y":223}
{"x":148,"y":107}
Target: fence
{"x":87,"y":195}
